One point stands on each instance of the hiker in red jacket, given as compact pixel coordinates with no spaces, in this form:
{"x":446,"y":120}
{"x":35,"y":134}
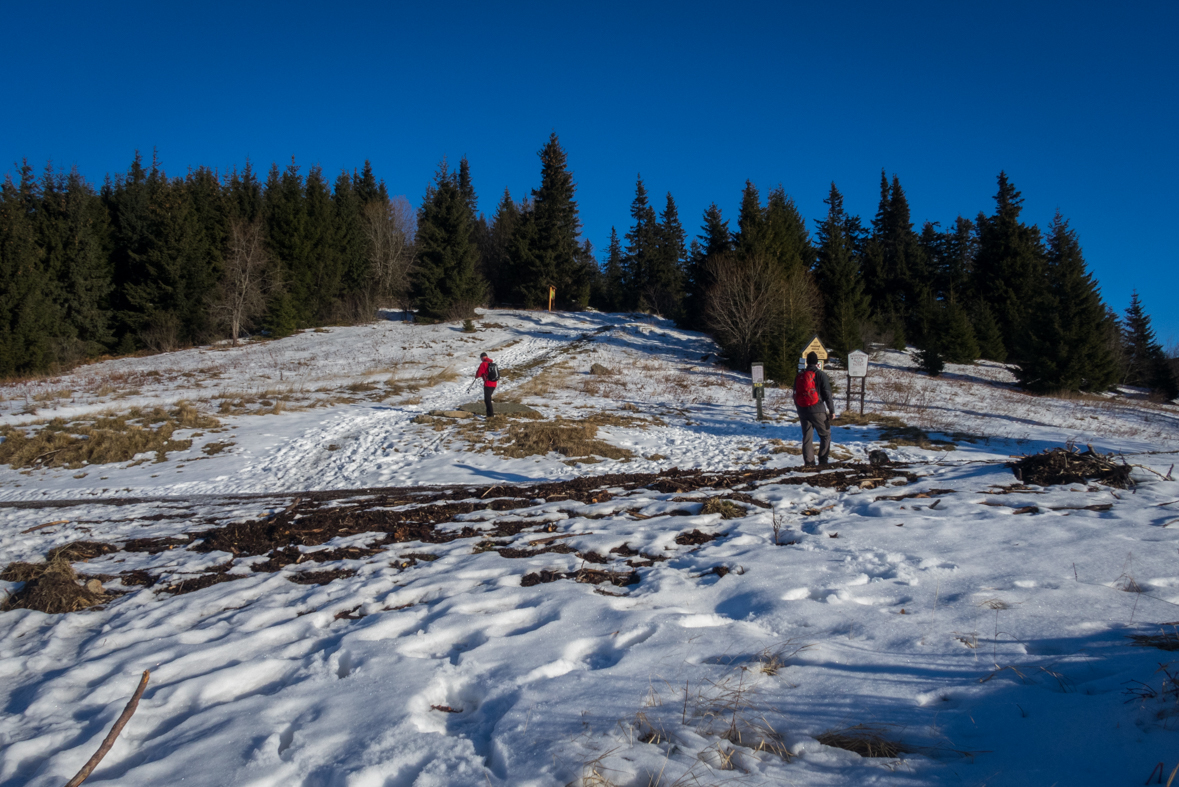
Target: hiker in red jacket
{"x":489,"y":373}
{"x":816,"y":408}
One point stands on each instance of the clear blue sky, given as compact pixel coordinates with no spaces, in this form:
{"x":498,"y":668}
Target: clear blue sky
{"x":1077,"y":101}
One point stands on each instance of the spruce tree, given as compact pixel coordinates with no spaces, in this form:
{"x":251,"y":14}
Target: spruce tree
{"x":367,"y":187}
{"x":838,"y":278}
{"x":285,"y":213}
{"x":127,"y":200}
{"x":957,"y":341}
{"x":496,"y":260}
{"x":447,"y":285}
{"x":1066,"y":344}
{"x":1147,"y":363}
{"x":558,"y":259}
{"x":352,"y":250}
{"x":244,"y":195}
{"x":714,"y":241}
{"x":750,"y":238}
{"x":467,"y":188}
{"x":206,"y":263}
{"x":321,"y":276}
{"x":786,"y":238}
{"x":986,"y":331}
{"x":665,"y":288}
{"x":85,"y":276}
{"x":613,"y":277}
{"x":642,"y":241}
{"x":1009,"y":266}
{"x":27,"y":313}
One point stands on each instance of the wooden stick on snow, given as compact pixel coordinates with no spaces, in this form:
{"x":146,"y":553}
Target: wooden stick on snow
{"x":109,"y":740}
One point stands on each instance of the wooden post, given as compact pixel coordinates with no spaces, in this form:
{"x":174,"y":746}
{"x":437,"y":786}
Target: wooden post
{"x":863,"y":383}
{"x":849,"y":386}
{"x":552,"y":292}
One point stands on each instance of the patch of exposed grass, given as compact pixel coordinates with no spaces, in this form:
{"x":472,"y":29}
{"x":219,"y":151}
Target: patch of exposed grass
{"x":49,"y":396}
{"x":212,"y":449}
{"x":101,"y":440}
{"x":850,"y":418}
{"x":726,"y":508}
{"x":568,"y":438}
{"x":866,"y":740}
{"x":1164,"y":640}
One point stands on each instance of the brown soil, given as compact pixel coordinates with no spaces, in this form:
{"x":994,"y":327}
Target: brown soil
{"x":590,"y":576}
{"x":697,"y":537}
{"x":399,"y":515}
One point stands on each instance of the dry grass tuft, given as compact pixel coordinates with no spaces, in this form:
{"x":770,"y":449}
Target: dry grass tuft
{"x":775,"y":658}
{"x":850,"y":418}
{"x":101,"y":440}
{"x":866,"y":740}
{"x":1164,"y":640}
{"x":51,"y":587}
{"x":567,"y":438}
{"x":726,"y":508}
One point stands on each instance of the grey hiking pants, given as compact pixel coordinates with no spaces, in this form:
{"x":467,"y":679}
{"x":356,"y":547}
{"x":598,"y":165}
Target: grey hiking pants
{"x":815,"y":419}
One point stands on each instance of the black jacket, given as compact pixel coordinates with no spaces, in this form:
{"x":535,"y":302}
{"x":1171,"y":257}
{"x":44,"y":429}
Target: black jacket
{"x":823,"y":386}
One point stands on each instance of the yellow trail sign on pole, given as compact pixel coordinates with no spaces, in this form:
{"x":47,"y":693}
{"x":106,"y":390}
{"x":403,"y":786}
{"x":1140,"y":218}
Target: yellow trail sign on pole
{"x":552,"y":294}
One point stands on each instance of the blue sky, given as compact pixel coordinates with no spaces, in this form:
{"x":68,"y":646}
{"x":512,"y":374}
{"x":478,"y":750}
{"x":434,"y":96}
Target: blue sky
{"x":1077,"y":101}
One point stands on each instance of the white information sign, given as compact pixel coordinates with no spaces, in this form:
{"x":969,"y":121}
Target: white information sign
{"x":759,"y":374}
{"x":857,"y":364}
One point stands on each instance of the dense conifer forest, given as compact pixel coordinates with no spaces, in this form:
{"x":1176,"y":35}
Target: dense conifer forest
{"x":152,"y":262}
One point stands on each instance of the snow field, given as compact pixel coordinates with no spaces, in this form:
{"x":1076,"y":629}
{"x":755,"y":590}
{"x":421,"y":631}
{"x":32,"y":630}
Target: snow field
{"x":992,"y":643}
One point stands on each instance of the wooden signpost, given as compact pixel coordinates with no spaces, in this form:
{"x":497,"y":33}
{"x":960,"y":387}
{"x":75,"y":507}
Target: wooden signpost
{"x":552,"y":294}
{"x":857,"y":366}
{"x":758,"y":372}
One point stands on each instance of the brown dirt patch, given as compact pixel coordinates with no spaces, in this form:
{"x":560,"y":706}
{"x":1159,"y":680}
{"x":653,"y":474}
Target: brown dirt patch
{"x":399,"y":515}
{"x":590,"y":576}
{"x":696,"y":537}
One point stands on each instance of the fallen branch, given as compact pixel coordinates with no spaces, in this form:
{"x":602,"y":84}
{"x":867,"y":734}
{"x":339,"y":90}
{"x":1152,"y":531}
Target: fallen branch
{"x":47,"y":524}
{"x":543,"y":541}
{"x":109,"y":740}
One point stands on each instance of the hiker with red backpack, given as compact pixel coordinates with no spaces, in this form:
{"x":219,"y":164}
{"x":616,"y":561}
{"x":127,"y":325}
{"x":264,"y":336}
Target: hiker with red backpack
{"x":816,"y":408}
{"x":489,"y":373}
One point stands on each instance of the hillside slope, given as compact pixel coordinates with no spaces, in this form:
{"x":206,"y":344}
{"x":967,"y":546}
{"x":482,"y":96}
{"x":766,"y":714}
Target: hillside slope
{"x":333,"y":587}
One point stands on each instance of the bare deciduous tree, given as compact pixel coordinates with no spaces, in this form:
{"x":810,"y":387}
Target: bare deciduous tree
{"x":744,"y":302}
{"x":390,"y":227}
{"x":242,"y":292}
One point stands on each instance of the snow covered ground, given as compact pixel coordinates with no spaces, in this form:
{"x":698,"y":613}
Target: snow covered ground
{"x":980,"y":629}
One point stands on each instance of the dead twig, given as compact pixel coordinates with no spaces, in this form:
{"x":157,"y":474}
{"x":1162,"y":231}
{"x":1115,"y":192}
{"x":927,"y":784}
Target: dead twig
{"x":544,"y":541}
{"x":109,"y":740}
{"x":47,"y":524}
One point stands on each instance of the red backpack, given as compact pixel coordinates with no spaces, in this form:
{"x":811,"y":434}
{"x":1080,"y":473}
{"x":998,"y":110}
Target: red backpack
{"x":805,"y":392}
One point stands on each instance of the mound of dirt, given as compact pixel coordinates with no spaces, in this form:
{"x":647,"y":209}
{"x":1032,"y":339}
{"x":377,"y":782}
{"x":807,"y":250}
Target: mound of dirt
{"x":1069,"y":466}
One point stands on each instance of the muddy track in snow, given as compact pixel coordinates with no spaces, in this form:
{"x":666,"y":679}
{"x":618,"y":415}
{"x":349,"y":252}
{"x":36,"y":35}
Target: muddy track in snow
{"x":838,"y":475}
{"x":414,"y":515}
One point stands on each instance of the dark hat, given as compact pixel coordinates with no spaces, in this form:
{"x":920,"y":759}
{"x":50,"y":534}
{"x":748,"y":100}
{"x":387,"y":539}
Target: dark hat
{"x":812,"y":358}
{"x":482,"y":355}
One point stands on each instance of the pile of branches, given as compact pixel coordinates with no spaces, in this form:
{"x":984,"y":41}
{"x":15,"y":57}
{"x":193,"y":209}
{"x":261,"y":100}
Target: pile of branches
{"x":1070,"y":466}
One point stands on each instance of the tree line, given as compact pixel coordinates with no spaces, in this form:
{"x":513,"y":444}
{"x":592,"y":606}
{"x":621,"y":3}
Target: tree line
{"x":152,"y":262}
